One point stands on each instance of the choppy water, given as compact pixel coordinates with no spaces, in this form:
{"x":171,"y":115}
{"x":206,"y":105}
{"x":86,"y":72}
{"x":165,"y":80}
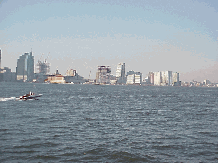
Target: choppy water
{"x":90,"y":123}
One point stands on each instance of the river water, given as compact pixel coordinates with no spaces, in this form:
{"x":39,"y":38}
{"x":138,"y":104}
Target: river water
{"x":93,"y":123}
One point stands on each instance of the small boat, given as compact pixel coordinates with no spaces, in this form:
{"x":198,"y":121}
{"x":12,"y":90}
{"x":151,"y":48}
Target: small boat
{"x":29,"y":96}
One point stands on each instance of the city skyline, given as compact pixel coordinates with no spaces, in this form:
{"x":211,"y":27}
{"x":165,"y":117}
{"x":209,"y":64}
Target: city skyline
{"x":146,"y":35}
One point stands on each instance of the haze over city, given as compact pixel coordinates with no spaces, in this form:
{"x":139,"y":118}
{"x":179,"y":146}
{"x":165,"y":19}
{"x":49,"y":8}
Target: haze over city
{"x":156,"y":35}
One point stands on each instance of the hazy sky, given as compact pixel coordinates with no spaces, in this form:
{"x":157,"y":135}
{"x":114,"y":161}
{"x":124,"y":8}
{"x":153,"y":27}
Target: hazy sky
{"x":148,"y":35}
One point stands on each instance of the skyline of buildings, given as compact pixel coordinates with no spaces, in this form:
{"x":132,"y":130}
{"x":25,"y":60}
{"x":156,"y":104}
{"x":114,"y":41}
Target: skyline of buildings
{"x":25,"y":72}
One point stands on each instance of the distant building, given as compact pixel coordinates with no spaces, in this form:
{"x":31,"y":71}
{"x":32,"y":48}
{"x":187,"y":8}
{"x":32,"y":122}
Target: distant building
{"x":120,"y":73}
{"x":151,"y":78}
{"x":138,"y":78}
{"x":71,"y":72}
{"x":56,"y":79}
{"x":134,"y":77}
{"x":113,"y":79}
{"x":73,"y":77}
{"x":157,"y":78}
{"x":145,"y":81}
{"x":130,"y":79}
{"x":206,"y":82}
{"x":176,"y":81}
{"x":43,"y":67}
{"x":6,"y":75}
{"x":166,"y":78}
{"x":25,"y":67}
{"x":103,"y":75}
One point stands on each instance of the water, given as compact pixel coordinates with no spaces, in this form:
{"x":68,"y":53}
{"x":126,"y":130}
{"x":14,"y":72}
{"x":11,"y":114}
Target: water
{"x":92,"y":123}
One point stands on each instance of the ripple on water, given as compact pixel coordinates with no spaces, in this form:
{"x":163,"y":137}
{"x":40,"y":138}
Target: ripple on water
{"x":78,"y":123}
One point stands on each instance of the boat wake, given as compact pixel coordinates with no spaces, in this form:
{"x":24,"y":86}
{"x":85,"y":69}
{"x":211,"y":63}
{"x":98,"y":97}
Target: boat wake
{"x":8,"y":99}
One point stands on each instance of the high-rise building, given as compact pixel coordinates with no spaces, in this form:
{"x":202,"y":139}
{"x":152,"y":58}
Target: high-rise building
{"x":25,"y":67}
{"x":166,"y":78}
{"x":151,"y":78}
{"x":43,"y":67}
{"x":157,"y":78}
{"x":6,"y":75}
{"x":175,"y":79}
{"x":206,"y":82}
{"x":120,"y":73}
{"x":134,"y":77}
{"x":130,"y":79}
{"x":103,"y":75}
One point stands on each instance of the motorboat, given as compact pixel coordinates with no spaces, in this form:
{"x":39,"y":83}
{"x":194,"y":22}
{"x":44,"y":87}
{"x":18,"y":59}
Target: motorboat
{"x":29,"y":96}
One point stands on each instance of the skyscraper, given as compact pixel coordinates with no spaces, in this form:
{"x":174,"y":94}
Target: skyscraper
{"x":134,"y":77}
{"x":103,"y":75}
{"x":120,"y":73}
{"x":43,"y":67}
{"x":166,"y":78}
{"x":25,"y":67}
{"x":157,"y":78}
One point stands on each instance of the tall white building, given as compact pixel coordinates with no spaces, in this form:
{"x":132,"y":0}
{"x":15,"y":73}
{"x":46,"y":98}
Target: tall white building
{"x":25,"y":67}
{"x":130,"y":79}
{"x":206,"y":82}
{"x":157,"y":78}
{"x":166,"y":78}
{"x":134,"y":77}
{"x":120,"y":73}
{"x":175,"y":79}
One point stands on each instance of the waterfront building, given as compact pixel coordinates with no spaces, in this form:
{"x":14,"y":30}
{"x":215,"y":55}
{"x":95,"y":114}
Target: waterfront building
{"x":134,"y":77}
{"x":103,"y":75}
{"x":56,"y":79}
{"x":157,"y":78}
{"x":151,"y":78}
{"x":138,"y":79}
{"x":73,"y":77}
{"x":25,"y":67}
{"x":6,"y":75}
{"x":176,"y":81}
{"x":145,"y":81}
{"x":43,"y":67}
{"x":206,"y":82}
{"x":166,"y":78}
{"x":120,"y":73}
{"x":130,"y":79}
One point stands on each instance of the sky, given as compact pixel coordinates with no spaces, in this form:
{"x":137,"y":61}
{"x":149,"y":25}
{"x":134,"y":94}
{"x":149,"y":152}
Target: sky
{"x":147,"y":35}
